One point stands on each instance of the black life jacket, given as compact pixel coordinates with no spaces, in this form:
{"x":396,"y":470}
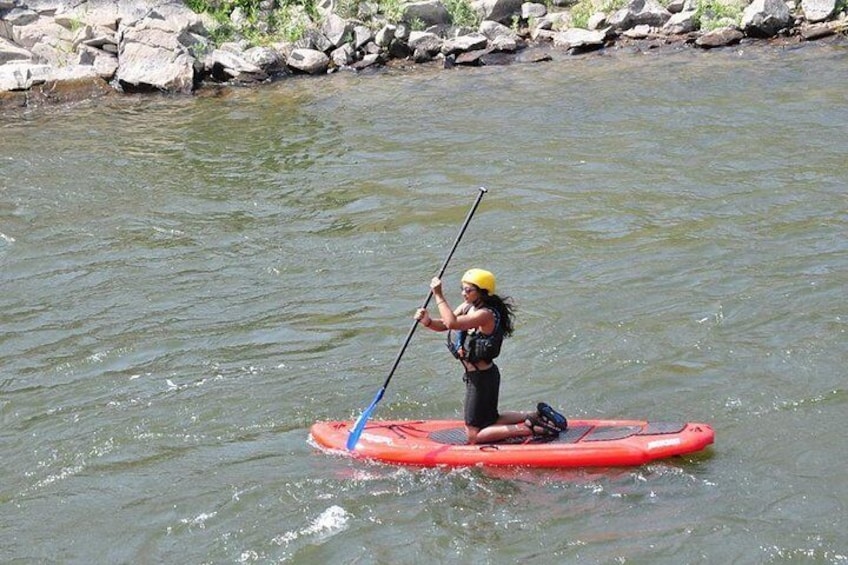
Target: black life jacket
{"x":474,"y":346}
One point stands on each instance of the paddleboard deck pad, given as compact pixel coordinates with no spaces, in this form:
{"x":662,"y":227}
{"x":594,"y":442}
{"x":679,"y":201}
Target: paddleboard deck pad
{"x":586,"y":443}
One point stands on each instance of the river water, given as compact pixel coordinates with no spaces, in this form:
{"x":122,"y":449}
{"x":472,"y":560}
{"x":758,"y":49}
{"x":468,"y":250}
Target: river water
{"x":189,"y":283}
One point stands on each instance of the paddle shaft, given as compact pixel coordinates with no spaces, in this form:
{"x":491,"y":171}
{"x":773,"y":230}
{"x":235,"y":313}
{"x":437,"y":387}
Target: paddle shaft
{"x":441,"y":273}
{"x":356,"y":431}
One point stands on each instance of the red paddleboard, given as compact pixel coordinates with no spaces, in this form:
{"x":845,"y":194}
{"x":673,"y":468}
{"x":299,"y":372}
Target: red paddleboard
{"x":586,"y":443}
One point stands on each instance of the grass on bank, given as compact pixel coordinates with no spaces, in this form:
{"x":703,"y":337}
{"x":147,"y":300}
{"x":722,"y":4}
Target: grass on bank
{"x":290,"y":19}
{"x":709,"y":14}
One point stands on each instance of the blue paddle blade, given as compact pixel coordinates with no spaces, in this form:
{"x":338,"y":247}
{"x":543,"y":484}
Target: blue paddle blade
{"x":353,"y":438}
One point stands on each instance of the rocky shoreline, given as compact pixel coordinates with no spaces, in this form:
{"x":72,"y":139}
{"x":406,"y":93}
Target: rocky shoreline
{"x":57,"y":51}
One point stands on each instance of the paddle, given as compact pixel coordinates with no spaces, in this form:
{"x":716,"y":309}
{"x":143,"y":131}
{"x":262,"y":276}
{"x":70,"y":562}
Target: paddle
{"x":356,"y":431}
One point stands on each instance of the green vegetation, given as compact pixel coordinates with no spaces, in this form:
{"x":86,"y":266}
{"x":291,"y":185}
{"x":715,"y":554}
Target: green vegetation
{"x":714,"y":14}
{"x":287,"y":22}
{"x":291,"y":19}
{"x":585,"y":9}
{"x":461,"y":13}
{"x":392,"y":9}
{"x":710,"y":14}
{"x":581,"y":13}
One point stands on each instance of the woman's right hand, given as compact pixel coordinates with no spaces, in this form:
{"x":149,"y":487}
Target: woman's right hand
{"x":423,"y":317}
{"x":436,"y":286}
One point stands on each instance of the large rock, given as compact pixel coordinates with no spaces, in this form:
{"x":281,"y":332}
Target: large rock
{"x":818,"y":10}
{"x":104,"y":64}
{"x":41,"y":30}
{"x":226,"y":65}
{"x":426,"y":41}
{"x":765,"y":18}
{"x":425,"y":46}
{"x":361,"y":36}
{"x":20,"y":16}
{"x":266,"y":58}
{"x":577,"y":40}
{"x":464,"y":43}
{"x":11,"y":52}
{"x":343,"y":56}
{"x":310,"y":61}
{"x":337,"y":30}
{"x":819,"y":30}
{"x":639,"y":12}
{"x":493,"y":30}
{"x":720,"y":37}
{"x":533,"y":10}
{"x":22,"y":76}
{"x":501,"y":11}
{"x":154,"y":54}
{"x":429,"y":13}
{"x":681,"y":22}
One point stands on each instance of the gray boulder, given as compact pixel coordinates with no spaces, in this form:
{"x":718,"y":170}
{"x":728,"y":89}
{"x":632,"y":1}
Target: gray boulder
{"x":425,"y":40}
{"x":424,"y":45}
{"x":504,"y":44}
{"x":20,"y":16}
{"x":154,"y":54}
{"x":104,"y":64}
{"x":817,"y":31}
{"x":266,"y":58}
{"x":429,"y":13}
{"x":720,"y":37}
{"x":502,"y":11}
{"x":23,"y":76}
{"x":336,"y":29}
{"x":368,"y":60}
{"x":818,"y":10}
{"x":533,"y":10}
{"x":492,"y":29}
{"x":597,"y":21}
{"x":343,"y":56}
{"x":639,"y":12}
{"x":464,"y":43}
{"x":680,"y":23}
{"x":577,"y":40}
{"x":765,"y":18}
{"x":385,"y":35}
{"x":361,"y":36}
{"x":310,"y":61}
{"x":316,"y":40}
{"x":224,"y":64}
{"x":11,"y":52}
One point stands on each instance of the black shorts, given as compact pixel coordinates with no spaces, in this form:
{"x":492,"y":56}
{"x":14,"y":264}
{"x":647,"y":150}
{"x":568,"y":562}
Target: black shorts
{"x":481,"y":397}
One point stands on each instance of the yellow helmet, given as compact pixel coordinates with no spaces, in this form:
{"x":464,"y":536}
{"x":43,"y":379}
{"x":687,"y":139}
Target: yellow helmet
{"x":480,"y":279}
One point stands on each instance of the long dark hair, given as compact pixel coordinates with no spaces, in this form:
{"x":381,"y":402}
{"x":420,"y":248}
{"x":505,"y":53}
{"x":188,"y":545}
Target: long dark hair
{"x":504,"y":307}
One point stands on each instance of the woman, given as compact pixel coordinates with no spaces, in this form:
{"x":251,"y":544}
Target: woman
{"x":476,"y":329}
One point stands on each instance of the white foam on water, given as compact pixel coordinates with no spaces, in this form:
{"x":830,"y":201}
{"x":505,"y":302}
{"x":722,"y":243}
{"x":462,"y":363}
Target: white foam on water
{"x":199,"y":520}
{"x":331,"y":521}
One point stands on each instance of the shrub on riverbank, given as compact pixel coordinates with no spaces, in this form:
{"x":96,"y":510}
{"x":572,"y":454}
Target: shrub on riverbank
{"x":262,"y":21}
{"x":715,"y":14}
{"x":248,"y":19}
